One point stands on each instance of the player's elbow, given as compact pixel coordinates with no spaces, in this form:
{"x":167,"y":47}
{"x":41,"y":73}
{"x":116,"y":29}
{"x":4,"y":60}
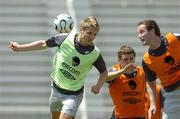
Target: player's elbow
{"x":42,"y":44}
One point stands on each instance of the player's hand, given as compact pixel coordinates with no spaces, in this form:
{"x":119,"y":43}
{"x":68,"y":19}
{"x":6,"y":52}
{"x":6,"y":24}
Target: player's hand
{"x":95,"y":89}
{"x":130,"y":68}
{"x":151,"y":111}
{"x":13,"y":45}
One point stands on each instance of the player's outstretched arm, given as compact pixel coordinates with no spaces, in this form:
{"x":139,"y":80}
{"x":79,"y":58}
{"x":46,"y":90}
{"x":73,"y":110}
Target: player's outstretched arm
{"x":115,"y":74}
{"x":36,"y":45}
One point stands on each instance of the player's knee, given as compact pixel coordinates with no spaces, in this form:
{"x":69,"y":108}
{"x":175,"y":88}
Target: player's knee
{"x":66,"y":116}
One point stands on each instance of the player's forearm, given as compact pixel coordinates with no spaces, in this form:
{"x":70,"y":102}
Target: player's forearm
{"x":152,"y":92}
{"x":113,"y":75}
{"x":36,"y":45}
{"x":102,"y":79}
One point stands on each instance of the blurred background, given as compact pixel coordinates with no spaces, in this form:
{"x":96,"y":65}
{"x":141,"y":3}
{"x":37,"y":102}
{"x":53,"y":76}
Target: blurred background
{"x":24,"y":77}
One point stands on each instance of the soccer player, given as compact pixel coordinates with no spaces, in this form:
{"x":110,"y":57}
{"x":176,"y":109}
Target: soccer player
{"x":159,"y":105}
{"x":162,"y":60}
{"x":127,"y":86}
{"x":76,"y":54}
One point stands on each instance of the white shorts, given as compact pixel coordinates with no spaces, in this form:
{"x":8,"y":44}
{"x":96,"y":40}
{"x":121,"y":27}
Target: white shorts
{"x":172,"y":104}
{"x":68,"y":104}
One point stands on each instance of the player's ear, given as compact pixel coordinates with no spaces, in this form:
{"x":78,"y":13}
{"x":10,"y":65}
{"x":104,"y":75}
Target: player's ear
{"x":119,"y":61}
{"x":152,"y":30}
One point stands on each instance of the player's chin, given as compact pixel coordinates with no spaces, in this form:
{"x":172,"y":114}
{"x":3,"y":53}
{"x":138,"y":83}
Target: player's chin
{"x":144,"y":43}
{"x":89,"y":42}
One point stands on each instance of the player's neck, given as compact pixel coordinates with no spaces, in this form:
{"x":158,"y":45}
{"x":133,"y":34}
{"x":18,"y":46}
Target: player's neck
{"x":156,"y":43}
{"x":81,"y":41}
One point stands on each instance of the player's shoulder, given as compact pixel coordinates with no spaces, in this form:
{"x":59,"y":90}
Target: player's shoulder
{"x":139,"y":67}
{"x":62,"y":35}
{"x":59,"y":38}
{"x":177,"y":35}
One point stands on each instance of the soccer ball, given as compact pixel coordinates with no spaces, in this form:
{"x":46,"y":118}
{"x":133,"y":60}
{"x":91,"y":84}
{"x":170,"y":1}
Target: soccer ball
{"x":63,"y":23}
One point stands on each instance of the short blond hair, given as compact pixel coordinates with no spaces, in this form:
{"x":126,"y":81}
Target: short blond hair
{"x":90,"y":22}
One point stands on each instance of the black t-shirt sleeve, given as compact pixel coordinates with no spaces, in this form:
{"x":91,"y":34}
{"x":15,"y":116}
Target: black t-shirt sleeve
{"x":56,"y":40}
{"x":150,"y":75}
{"x":162,"y":99}
{"x":100,"y":64}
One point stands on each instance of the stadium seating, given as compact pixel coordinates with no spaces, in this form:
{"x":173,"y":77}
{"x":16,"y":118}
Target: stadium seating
{"x":24,"y":77}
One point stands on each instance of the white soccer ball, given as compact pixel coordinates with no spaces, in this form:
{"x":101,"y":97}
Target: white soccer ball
{"x":63,"y":23}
